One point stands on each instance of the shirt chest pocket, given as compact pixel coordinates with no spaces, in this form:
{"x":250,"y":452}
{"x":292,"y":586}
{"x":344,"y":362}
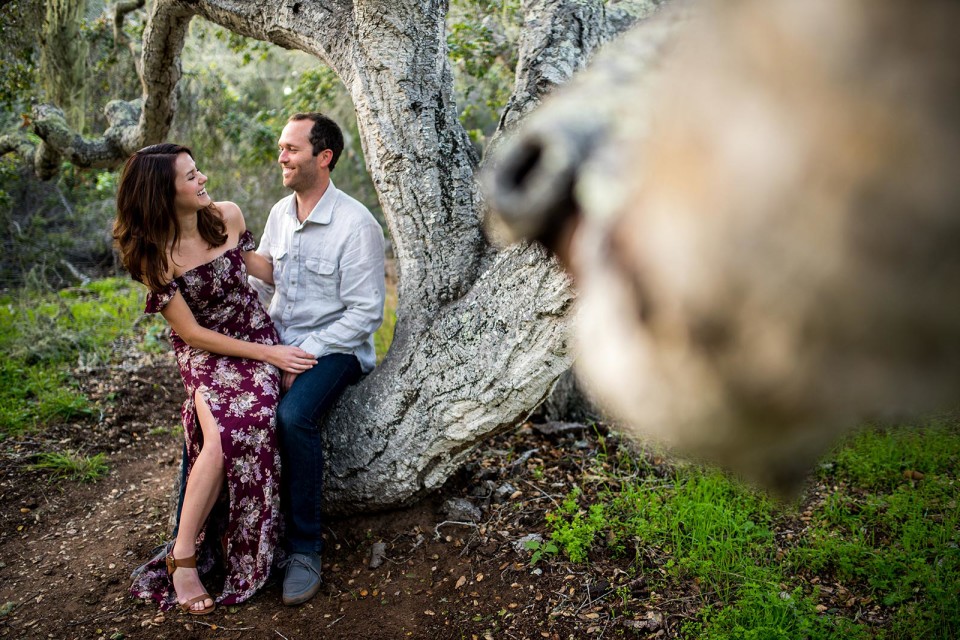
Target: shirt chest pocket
{"x":321,"y":277}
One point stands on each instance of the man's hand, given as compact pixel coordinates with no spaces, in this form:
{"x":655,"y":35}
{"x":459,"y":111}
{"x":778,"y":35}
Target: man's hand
{"x":286,"y":380}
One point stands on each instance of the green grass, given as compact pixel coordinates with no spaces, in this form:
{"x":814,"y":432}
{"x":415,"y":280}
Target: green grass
{"x":72,"y":466}
{"x":384,"y":335}
{"x":34,"y":395}
{"x":45,"y":335}
{"x":891,"y":541}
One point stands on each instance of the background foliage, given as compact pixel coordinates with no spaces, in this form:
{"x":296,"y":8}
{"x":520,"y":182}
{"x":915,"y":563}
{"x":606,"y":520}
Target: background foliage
{"x":234,"y":98}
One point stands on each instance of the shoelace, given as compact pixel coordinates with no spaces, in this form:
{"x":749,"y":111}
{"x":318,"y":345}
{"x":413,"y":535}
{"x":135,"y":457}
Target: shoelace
{"x":283,"y":564}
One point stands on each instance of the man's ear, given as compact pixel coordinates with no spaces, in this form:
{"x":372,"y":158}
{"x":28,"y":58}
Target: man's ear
{"x":325,"y":157}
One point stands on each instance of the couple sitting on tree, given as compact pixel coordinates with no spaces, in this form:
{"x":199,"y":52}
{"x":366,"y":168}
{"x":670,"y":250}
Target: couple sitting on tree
{"x":258,"y":380}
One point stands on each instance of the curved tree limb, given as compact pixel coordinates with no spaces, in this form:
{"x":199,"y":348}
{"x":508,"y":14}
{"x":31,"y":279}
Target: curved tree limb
{"x":61,"y":141}
{"x":533,"y":174}
{"x":325,"y":29}
{"x":479,"y":369}
{"x":558,"y":39}
{"x":120,"y":11}
{"x":17,"y":143}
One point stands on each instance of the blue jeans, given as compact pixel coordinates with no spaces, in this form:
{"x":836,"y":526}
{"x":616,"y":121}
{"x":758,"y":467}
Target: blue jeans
{"x":299,"y":415}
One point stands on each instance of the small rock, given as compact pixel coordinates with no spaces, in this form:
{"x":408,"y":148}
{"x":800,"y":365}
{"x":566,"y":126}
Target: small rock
{"x":461,"y":509}
{"x":654,"y":620}
{"x":520,"y":546}
{"x":504,"y":491}
{"x":483,"y":489}
{"x":378,"y":553}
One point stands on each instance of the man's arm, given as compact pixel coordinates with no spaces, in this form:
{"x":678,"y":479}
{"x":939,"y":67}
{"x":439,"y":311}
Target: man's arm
{"x":362,"y":293}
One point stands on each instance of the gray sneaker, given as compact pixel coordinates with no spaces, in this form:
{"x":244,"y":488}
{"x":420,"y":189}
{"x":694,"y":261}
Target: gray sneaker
{"x":302,"y":580}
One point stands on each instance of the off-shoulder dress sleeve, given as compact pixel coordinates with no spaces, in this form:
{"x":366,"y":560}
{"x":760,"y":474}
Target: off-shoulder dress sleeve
{"x":247,"y":243}
{"x":158,"y":300}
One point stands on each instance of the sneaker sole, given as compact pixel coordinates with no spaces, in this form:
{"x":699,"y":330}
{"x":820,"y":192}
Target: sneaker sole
{"x":292,"y":601}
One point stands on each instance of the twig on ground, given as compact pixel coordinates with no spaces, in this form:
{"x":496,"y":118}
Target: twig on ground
{"x":523,"y":458}
{"x":335,"y":621}
{"x":222,"y":628}
{"x":436,"y":529}
{"x":97,"y":616}
{"x":545,"y":494}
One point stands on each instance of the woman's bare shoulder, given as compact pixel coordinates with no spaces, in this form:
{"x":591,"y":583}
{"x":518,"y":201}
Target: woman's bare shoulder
{"x":232,"y":216}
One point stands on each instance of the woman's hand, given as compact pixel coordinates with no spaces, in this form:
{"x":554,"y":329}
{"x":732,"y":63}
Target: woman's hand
{"x":290,"y":359}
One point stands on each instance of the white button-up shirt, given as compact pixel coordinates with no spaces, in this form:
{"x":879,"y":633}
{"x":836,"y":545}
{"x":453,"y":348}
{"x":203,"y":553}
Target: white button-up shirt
{"x":328,"y":276}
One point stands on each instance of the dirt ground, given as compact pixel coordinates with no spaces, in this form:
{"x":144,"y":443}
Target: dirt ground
{"x":67,"y":548}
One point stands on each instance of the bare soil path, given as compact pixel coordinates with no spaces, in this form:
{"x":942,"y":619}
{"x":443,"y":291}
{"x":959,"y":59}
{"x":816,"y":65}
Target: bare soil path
{"x":449,"y":570}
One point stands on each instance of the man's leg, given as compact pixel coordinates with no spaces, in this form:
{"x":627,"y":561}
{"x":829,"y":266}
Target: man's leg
{"x":301,"y":410}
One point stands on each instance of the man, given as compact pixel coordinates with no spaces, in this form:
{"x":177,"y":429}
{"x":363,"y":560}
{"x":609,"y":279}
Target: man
{"x":327,"y":255}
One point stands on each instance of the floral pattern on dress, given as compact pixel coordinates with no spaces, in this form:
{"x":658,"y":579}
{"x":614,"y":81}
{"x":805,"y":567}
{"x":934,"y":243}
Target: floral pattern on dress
{"x":242,"y":394}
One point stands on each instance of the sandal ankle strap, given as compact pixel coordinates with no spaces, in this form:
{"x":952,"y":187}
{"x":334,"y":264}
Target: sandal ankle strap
{"x":175,"y":563}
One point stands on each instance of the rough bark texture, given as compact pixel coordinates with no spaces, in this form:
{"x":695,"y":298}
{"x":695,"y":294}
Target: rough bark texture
{"x":481,"y":333}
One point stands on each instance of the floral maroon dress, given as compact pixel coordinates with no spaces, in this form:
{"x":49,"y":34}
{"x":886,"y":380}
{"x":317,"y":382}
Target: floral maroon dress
{"x":242,"y":395}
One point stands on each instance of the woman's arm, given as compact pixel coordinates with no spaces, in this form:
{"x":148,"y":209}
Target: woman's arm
{"x":258,"y":266}
{"x":181,"y":320}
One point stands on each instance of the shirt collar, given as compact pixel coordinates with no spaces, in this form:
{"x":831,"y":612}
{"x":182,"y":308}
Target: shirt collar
{"x":322,"y":212}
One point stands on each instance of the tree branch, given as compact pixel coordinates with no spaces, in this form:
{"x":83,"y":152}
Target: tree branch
{"x":61,"y":141}
{"x":534,"y":173}
{"x":324,"y":28}
{"x":19,"y":144}
{"x":163,"y":42}
{"x":558,"y":39}
{"x":132,"y":125}
{"x":120,"y":11}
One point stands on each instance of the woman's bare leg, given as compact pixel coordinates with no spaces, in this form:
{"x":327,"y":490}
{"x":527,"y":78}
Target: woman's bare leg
{"x":203,"y":486}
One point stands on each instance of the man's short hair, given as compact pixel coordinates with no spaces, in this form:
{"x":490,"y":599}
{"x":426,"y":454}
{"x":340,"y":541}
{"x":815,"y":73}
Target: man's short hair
{"x":325,"y":134}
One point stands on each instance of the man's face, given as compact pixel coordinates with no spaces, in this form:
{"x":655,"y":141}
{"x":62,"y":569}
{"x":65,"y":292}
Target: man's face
{"x":301,"y":169}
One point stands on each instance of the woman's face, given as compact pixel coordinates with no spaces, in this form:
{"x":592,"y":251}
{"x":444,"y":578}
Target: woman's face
{"x":190,"y":194}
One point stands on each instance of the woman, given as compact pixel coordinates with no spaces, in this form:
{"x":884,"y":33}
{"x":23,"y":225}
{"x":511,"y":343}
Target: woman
{"x":194,"y":255}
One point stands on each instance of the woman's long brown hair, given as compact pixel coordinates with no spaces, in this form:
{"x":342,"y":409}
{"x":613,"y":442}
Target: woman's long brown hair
{"x":147,"y":223}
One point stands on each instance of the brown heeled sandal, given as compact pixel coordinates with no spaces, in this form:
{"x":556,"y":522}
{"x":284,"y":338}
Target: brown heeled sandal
{"x":189,"y":563}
